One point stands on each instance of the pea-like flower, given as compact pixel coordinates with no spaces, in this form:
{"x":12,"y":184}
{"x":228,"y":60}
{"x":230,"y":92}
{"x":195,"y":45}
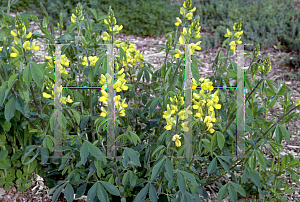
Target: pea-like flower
{"x":189,"y":16}
{"x":15,"y":52}
{"x":178,"y":53}
{"x":232,"y":45}
{"x":177,"y":138}
{"x":178,"y":21}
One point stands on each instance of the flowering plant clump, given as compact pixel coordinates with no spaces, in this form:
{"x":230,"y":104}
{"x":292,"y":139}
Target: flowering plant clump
{"x":181,"y":149}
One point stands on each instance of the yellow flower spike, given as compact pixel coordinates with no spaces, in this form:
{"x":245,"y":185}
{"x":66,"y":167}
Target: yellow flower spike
{"x":184,"y":32}
{"x":26,"y":45}
{"x":46,"y":95}
{"x":181,"y":40}
{"x":192,"y":10}
{"x":178,"y":53}
{"x":178,"y":21}
{"x":189,"y":16}
{"x":29,"y":35}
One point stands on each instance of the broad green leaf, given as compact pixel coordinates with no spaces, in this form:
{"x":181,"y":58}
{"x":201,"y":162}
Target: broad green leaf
{"x":76,"y":115}
{"x":3,"y":154}
{"x":189,"y":176}
{"x":169,"y":168}
{"x":84,"y":152}
{"x":282,"y":89}
{"x":232,"y":193}
{"x":10,"y":108}
{"x":44,"y":155}
{"x":95,"y":151}
{"x":153,"y":105}
{"x":285,"y":132}
{"x":224,"y":165}
{"x":245,"y":176}
{"x":195,"y":70}
{"x":3,"y":89}
{"x":212,"y":166}
{"x":254,"y":176}
{"x":81,"y":190}
{"x":141,"y":195}
{"x":152,"y":193}
{"x":69,"y":192}
{"x":181,"y":182}
{"x":131,"y":154}
{"x":92,"y":192}
{"x":57,"y":192}
{"x":156,"y":169}
{"x":222,"y":192}
{"x":261,"y":159}
{"x":37,"y":74}
{"x":279,"y":134}
{"x":239,"y":188}
{"x":110,"y":188}
{"x":272,"y":103}
{"x":221,"y":139}
{"x":101,"y":193}
{"x":32,"y":159}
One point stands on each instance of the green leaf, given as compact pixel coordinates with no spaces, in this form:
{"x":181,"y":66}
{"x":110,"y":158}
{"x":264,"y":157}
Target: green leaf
{"x":282,"y":89}
{"x":3,"y":89}
{"x":32,"y":159}
{"x":69,"y":192}
{"x":254,"y":176}
{"x":212,"y":166}
{"x":224,"y":165}
{"x":37,"y":74}
{"x":221,"y":139}
{"x":77,"y":115}
{"x":285,"y":133}
{"x":95,"y":151}
{"x":272,"y":103}
{"x":57,"y":192}
{"x":44,"y":155}
{"x":239,"y":188}
{"x":153,"y":105}
{"x":262,"y":161}
{"x":232,"y":193}
{"x":156,"y":169}
{"x":84,"y":152}
{"x":146,"y":73}
{"x":222,"y":192}
{"x":141,"y":195}
{"x":278,"y":135}
{"x":133,"y":155}
{"x":101,"y":193}
{"x":140,"y":74}
{"x":181,"y":182}
{"x":3,"y":154}
{"x":189,"y":176}
{"x":169,"y":168}
{"x":92,"y":192}
{"x":10,"y":108}
{"x":110,"y":188}
{"x":6,"y":126}
{"x":152,"y":193}
{"x":81,"y":190}
{"x":195,"y":70}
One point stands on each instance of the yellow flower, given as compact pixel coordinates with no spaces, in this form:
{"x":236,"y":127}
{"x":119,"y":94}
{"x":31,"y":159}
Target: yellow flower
{"x":192,"y":10}
{"x":0,"y":48}
{"x":29,"y":35}
{"x":13,"y":33}
{"x":73,"y":17}
{"x":26,"y":45}
{"x":232,"y":45}
{"x":178,"y":21}
{"x":176,"y":138}
{"x":239,"y":41}
{"x":15,"y":53}
{"x":297,"y":103}
{"x":181,"y":40}
{"x":34,"y":47}
{"x":103,"y":79}
{"x":184,"y":126}
{"x":228,"y":34}
{"x":189,"y":16}
{"x":178,"y":53}
{"x":106,"y":36}
{"x":103,"y":113}
{"x":105,"y":21}
{"x":198,"y":35}
{"x":237,"y":35}
{"x":182,"y":11}
{"x":168,"y":113}
{"x":174,"y":108}
{"x":46,"y":95}
{"x":184,"y":32}
{"x":69,"y":100}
